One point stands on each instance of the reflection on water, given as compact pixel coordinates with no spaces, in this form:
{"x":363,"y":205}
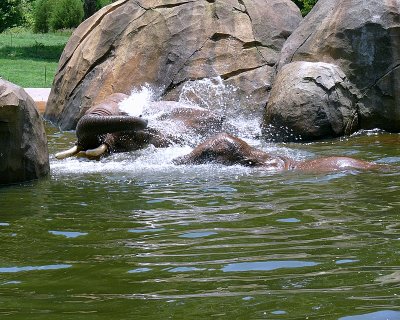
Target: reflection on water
{"x":36,"y":268}
{"x":267,"y":265}
{"x":133,"y":236}
{"x":197,"y":234}
{"x":343,"y":261}
{"x":379,"y":315}
{"x":68,"y":234}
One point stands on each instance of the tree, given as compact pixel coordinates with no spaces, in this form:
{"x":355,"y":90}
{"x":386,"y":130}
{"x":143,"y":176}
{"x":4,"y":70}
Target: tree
{"x":27,"y":11}
{"x":63,"y":14}
{"x":10,"y":14}
{"x":89,"y":7}
{"x":66,"y":14}
{"x":43,"y":11}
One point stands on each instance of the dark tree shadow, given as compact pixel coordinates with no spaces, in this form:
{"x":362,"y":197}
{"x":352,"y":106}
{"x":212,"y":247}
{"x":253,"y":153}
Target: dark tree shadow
{"x":37,"y":51}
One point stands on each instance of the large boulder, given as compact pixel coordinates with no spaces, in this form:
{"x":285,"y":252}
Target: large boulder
{"x":309,"y":101}
{"x":363,"y":39}
{"x":23,"y":143}
{"x":166,"y":43}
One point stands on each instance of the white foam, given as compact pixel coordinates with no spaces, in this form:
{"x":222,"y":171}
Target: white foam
{"x":138,"y":101}
{"x":213,"y":94}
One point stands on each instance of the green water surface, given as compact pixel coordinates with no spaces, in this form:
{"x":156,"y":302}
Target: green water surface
{"x":129,"y":239}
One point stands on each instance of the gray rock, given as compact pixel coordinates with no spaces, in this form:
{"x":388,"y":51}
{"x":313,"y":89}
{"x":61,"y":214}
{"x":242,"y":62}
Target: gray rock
{"x":23,"y":143}
{"x":310,"y":100}
{"x":363,"y":39}
{"x":166,"y":43}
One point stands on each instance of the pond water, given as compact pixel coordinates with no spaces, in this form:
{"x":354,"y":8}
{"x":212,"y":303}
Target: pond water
{"x":134,"y":237}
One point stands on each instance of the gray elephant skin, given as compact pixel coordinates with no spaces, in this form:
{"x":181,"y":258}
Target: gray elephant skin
{"x":230,"y":150}
{"x":104,"y":129}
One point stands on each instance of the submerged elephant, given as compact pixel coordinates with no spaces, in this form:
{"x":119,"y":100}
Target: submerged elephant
{"x":229,"y":150}
{"x":104,"y":128}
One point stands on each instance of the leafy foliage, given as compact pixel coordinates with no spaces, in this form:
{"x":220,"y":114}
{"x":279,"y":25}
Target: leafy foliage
{"x":305,"y":5}
{"x":66,"y":14}
{"x":63,"y":14}
{"x":27,"y":7}
{"x":42,"y":15}
{"x":10,"y":14}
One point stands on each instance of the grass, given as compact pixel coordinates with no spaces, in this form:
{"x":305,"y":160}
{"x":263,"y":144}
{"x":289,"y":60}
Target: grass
{"x":30,"y":60}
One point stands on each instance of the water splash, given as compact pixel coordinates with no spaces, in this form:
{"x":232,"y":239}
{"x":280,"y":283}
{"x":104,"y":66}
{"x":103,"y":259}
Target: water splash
{"x":209,"y":93}
{"x":213,"y":94}
{"x":138,"y":100}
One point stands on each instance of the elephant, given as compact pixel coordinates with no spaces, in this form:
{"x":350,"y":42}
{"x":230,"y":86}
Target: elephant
{"x":227,"y":149}
{"x":104,"y":128}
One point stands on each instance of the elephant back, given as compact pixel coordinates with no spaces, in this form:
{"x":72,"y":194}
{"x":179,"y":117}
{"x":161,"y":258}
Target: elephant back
{"x":109,"y":106}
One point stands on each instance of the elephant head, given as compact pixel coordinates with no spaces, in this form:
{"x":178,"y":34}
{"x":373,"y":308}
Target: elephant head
{"x":102,"y":128}
{"x":229,"y":150}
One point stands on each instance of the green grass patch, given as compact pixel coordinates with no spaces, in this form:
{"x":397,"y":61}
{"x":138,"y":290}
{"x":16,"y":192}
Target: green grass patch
{"x":30,"y":60}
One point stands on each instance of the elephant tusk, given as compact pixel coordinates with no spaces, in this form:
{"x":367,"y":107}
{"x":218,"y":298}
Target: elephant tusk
{"x":67,"y":153}
{"x":97,"y":151}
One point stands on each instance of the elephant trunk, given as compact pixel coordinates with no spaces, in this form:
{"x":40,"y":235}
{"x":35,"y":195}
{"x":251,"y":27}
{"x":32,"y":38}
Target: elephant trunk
{"x":92,"y":130}
{"x":96,"y":125}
